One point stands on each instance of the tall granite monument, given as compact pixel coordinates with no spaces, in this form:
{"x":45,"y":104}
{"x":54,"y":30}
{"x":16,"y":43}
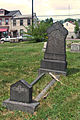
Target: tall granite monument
{"x":55,"y":54}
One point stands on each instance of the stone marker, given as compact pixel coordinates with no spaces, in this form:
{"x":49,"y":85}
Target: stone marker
{"x":21,"y":97}
{"x":55,"y":54}
{"x":21,"y":91}
{"x":75,"y":47}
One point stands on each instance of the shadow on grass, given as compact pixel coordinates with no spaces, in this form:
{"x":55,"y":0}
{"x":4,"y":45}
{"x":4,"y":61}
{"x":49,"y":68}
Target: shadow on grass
{"x":71,"y":71}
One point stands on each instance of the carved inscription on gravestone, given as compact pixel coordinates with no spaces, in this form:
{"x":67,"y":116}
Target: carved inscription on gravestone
{"x":21,"y":91}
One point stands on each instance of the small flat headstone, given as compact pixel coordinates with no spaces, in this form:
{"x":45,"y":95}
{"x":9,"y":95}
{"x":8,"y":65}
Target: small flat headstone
{"x":75,"y":47}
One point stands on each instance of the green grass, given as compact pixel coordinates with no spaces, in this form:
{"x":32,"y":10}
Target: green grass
{"x":22,"y":61}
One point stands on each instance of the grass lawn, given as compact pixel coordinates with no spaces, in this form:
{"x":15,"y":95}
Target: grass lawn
{"x":22,"y":61}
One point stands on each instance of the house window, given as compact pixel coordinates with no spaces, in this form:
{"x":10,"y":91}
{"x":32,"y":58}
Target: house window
{"x":1,"y":12}
{"x":0,"y":21}
{"x":21,"y":22}
{"x":6,"y":21}
{"x":21,"y":32}
{"x":66,"y":24}
{"x":28,"y":21}
{"x":14,"y":22}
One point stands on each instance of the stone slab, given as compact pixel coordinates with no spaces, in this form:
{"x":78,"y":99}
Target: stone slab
{"x":45,"y":90}
{"x":41,"y":70}
{"x":25,"y":107}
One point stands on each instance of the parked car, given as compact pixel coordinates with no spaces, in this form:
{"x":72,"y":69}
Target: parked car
{"x":6,"y":39}
{"x":27,"y":37}
{"x":19,"y":39}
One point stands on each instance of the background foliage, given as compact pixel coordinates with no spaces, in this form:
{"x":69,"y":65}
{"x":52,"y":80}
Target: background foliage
{"x":39,"y":31}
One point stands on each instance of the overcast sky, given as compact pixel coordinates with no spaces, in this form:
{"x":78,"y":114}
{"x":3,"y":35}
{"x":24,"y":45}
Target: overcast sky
{"x":43,"y":7}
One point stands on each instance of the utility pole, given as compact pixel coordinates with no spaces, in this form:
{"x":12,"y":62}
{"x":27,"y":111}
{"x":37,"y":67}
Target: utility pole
{"x":32,"y":16}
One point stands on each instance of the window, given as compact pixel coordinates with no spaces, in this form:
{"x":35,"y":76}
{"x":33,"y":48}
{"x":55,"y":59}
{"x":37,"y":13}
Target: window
{"x":1,"y":12}
{"x":66,"y":24}
{"x":28,"y":21}
{"x":6,"y":21}
{"x":21,"y":32}
{"x":14,"y":22}
{"x":21,"y":22}
{"x":0,"y":21}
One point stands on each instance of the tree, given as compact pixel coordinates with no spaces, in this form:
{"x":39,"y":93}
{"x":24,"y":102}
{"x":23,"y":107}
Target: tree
{"x":78,"y":20}
{"x":76,"y":29}
{"x":61,"y":21}
{"x":39,"y":32}
{"x":69,"y":20}
{"x":49,"y":20}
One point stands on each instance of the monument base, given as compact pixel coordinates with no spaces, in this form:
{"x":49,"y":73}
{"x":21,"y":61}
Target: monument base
{"x":25,"y":107}
{"x":55,"y":66}
{"x":41,"y":70}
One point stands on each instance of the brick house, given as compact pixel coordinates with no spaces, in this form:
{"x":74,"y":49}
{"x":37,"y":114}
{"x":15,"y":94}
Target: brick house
{"x":12,"y":22}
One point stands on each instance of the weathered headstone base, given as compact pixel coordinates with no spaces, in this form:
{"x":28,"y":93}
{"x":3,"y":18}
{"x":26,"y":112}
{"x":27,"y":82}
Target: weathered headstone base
{"x":41,"y":70}
{"x":55,"y":66}
{"x":25,"y":107}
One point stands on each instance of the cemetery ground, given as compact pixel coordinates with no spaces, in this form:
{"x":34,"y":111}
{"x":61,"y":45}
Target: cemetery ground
{"x":21,"y":61}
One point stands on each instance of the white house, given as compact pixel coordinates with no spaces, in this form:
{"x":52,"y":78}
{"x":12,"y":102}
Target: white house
{"x":70,"y":27}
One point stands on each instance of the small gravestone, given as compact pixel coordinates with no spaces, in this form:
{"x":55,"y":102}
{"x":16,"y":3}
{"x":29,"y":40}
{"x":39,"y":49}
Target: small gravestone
{"x":55,"y":54}
{"x":21,"y":97}
{"x":21,"y":91}
{"x":75,"y":47}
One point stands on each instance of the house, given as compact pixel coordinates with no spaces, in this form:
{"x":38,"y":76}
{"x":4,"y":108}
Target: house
{"x":5,"y":21}
{"x":12,"y":22}
{"x":70,"y":26}
{"x":19,"y":24}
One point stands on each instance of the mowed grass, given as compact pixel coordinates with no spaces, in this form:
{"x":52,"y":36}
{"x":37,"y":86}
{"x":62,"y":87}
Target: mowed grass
{"x":22,"y":61}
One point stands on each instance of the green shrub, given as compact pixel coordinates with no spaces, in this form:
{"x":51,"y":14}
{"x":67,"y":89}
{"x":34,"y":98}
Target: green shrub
{"x":39,"y":31}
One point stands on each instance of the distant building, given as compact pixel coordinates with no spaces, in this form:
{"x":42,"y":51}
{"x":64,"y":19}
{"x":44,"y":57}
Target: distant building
{"x":18,"y":23}
{"x":12,"y":22}
{"x":70,"y":26}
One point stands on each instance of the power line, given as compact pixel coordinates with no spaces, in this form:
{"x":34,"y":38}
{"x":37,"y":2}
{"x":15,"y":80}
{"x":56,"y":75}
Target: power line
{"x":58,"y":15}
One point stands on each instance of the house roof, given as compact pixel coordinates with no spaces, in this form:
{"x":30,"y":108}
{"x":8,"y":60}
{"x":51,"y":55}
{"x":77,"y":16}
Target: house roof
{"x":23,"y":16}
{"x":12,"y":13}
{"x":69,"y":23}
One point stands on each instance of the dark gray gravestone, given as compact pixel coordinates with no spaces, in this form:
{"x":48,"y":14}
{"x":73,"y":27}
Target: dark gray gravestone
{"x":21,"y":97}
{"x":21,"y":91}
{"x":55,"y":54}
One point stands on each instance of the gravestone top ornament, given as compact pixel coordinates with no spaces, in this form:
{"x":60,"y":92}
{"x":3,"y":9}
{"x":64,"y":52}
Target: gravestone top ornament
{"x":55,"y":54}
